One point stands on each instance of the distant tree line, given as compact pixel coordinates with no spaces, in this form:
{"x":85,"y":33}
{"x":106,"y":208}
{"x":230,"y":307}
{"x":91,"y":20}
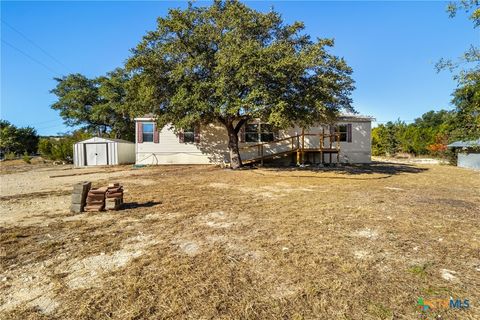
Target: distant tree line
{"x":434,"y":130}
{"x":428,"y":134}
{"x":15,"y":141}
{"x":61,"y":148}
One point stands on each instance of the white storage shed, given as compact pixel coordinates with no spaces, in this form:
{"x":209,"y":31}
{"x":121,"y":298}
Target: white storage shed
{"x":102,"y":152}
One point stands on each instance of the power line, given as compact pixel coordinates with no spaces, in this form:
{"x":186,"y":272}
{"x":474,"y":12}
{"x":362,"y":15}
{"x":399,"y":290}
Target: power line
{"x":36,"y":45}
{"x":31,"y":58}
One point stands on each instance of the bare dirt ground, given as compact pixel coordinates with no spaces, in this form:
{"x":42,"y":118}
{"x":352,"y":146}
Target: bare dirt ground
{"x":200,"y":242}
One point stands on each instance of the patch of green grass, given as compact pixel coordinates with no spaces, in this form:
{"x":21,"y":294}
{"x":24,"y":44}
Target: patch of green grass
{"x":419,"y":270}
{"x":436,"y":291}
{"x":379,"y":310}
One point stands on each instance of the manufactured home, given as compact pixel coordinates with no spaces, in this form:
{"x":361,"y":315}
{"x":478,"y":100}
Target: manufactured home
{"x":346,"y":141}
{"x":103,"y":151}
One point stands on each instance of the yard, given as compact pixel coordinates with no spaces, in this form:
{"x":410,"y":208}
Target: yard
{"x":201,"y":242}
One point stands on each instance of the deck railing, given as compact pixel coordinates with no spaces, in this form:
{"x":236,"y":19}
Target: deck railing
{"x":305,"y":142}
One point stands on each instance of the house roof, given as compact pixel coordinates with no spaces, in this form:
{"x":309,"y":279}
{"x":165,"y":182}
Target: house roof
{"x":342,"y":117}
{"x":465,"y":144}
{"x":355,"y":117}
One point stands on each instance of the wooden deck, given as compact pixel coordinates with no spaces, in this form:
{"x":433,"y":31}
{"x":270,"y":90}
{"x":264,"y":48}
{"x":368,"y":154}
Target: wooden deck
{"x":328,"y":143}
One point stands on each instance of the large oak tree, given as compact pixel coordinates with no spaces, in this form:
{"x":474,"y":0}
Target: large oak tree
{"x":97,"y":105}
{"x":227,"y":63}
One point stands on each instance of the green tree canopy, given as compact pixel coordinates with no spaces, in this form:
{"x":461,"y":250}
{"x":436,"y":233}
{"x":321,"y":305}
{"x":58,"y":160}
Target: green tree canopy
{"x":227,"y":63}
{"x":466,"y":98}
{"x":17,"y":140}
{"x":98,"y":105}
{"x":432,"y":128}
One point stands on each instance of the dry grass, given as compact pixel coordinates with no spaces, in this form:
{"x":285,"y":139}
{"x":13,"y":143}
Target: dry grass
{"x":201,"y":242}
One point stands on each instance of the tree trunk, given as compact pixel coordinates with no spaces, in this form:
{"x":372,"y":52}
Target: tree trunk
{"x":235,"y":159}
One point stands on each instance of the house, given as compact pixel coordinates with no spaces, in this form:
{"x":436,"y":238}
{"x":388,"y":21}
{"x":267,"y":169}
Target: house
{"x":103,"y":151}
{"x":468,"y":153}
{"x":348,"y":141}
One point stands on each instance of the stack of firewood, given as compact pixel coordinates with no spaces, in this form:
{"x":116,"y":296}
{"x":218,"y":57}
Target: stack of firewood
{"x":96,"y":199}
{"x":114,"y":197}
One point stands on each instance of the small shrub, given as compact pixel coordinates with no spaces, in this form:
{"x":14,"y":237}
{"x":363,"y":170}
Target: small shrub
{"x":10,"y":156}
{"x":26,"y":158}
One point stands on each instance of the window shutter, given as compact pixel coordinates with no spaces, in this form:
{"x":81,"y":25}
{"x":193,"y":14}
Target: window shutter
{"x":139,"y":132}
{"x":180,"y":136}
{"x":155,"y":133}
{"x":241,"y":134}
{"x":196,"y":132}
{"x":349,"y":132}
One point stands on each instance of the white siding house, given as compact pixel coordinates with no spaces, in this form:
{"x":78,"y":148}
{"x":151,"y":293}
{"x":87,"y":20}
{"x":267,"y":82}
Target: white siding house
{"x":208,"y":144}
{"x":103,"y":151}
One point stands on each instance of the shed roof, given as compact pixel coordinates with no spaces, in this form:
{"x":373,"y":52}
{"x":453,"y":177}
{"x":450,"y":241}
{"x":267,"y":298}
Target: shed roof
{"x":100,"y":139}
{"x":465,"y":144}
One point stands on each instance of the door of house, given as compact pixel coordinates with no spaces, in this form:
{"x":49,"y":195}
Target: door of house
{"x":96,"y":154}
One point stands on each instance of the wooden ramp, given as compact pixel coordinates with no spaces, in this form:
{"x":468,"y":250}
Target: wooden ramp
{"x":328,"y":143}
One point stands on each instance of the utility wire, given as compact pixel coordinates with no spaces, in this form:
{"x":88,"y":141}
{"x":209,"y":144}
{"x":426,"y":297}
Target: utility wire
{"x":34,"y":44}
{"x":31,"y":58}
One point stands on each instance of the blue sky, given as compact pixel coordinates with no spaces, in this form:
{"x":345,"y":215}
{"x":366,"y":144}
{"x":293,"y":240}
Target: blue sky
{"x":392,"y":47}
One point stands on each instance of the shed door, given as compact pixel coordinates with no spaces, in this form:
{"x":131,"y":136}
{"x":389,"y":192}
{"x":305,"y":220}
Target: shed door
{"x":96,"y":154}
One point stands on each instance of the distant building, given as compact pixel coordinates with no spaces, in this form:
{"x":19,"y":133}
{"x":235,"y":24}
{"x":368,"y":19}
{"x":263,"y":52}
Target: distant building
{"x":468,"y":153}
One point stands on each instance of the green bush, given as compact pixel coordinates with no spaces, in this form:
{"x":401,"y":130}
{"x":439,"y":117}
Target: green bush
{"x":61,"y":148}
{"x":45,"y":147}
{"x":10,"y":156}
{"x":26,"y":158}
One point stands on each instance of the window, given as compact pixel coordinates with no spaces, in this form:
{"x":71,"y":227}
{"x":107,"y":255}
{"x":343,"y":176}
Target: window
{"x":147,"y":132}
{"x":189,"y":135}
{"x":266,"y":133}
{"x":251,"y":132}
{"x":255,"y":132}
{"x":343,"y":129}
